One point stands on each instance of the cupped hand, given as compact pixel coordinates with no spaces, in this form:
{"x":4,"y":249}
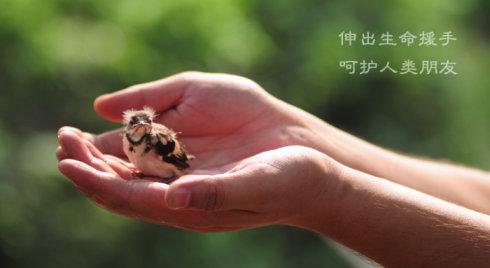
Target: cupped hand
{"x":221,"y":118}
{"x":231,"y":125}
{"x":280,"y":186}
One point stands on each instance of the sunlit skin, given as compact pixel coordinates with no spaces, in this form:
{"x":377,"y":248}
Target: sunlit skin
{"x":260,"y":161}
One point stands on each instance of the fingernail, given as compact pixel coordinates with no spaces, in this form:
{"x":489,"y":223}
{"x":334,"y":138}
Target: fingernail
{"x":180,"y":198}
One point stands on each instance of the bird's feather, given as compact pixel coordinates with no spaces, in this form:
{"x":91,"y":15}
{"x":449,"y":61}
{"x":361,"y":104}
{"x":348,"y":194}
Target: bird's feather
{"x":179,"y":160}
{"x":156,"y":151}
{"x":171,"y":151}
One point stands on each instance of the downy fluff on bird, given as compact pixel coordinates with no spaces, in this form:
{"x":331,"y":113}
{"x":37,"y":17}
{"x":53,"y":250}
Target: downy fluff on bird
{"x":153,"y":148}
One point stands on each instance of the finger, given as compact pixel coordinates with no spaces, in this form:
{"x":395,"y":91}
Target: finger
{"x":145,"y":200}
{"x":74,"y":147}
{"x":230,"y":191}
{"x":89,"y":140}
{"x":94,"y":184}
{"x":71,"y":129}
{"x":106,"y":186}
{"x":136,"y":198}
{"x":125,"y":163}
{"x":122,"y":170}
{"x":108,"y":142}
{"x":160,"y":95}
{"x":60,"y":154}
{"x":93,"y":150}
{"x":84,"y":135}
{"x":80,"y":173}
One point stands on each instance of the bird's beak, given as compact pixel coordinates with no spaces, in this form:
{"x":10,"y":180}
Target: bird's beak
{"x":141,"y":126}
{"x":141,"y":123}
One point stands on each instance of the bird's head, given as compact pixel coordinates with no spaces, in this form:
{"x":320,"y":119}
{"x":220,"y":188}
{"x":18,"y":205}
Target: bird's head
{"x":138,"y":122}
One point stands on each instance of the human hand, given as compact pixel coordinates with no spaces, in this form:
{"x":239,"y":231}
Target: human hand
{"x":292,"y":185}
{"x":222,"y":118}
{"x":281,"y":186}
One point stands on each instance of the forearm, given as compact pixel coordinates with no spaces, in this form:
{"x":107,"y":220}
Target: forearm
{"x":398,"y":226}
{"x":456,"y":184}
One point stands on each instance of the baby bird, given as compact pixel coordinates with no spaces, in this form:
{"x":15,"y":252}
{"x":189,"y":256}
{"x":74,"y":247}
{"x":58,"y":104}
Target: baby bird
{"x":151,"y":147}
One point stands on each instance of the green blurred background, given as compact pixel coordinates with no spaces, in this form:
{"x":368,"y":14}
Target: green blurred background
{"x":56,"y":56}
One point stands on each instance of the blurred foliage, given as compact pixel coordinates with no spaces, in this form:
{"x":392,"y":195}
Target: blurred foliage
{"x":56,"y":56}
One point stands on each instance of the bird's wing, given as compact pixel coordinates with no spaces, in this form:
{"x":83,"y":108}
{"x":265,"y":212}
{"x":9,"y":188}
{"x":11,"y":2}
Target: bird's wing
{"x":165,"y":146}
{"x":179,"y":160}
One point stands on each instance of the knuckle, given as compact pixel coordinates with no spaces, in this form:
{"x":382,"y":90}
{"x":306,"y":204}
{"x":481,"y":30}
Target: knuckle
{"x":251,"y":85}
{"x":246,"y":84}
{"x":215,"y":195}
{"x":188,"y":75}
{"x":137,"y":87}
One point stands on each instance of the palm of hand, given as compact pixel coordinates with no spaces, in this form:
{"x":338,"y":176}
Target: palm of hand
{"x":223,"y":122}
{"x":110,"y":182}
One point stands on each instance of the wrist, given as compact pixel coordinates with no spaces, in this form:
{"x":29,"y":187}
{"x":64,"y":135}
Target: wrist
{"x":345,"y":148}
{"x":327,"y":187}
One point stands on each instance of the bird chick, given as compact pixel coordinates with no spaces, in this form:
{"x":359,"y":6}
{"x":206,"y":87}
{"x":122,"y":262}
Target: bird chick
{"x":151,"y":147}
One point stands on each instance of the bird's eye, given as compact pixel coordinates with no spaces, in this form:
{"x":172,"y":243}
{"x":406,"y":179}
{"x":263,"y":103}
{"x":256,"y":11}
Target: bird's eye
{"x":133,"y":121}
{"x":146,"y":119}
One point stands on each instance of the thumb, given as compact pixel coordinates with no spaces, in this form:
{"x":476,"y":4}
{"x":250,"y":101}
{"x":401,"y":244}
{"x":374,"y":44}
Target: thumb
{"x":220,"y":192}
{"x":161,"y":95}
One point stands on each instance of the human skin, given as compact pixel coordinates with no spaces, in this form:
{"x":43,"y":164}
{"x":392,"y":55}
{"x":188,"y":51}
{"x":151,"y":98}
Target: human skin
{"x":224,"y":118}
{"x":248,"y":174}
